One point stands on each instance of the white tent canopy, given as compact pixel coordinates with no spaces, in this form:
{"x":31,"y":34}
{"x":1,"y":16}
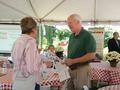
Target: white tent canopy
{"x":58,"y":10}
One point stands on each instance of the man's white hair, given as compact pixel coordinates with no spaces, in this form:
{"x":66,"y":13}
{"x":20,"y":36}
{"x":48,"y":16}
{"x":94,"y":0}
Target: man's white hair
{"x":76,"y":17}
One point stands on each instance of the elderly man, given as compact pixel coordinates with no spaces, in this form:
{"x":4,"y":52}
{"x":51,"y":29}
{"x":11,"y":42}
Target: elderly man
{"x":81,"y":50}
{"x":114,"y":43}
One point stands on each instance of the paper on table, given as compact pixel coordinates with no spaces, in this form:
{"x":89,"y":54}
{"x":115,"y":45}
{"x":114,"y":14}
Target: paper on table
{"x":63,"y":71}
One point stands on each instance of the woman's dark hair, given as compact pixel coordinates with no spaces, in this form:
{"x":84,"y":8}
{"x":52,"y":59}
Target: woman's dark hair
{"x":27,"y":24}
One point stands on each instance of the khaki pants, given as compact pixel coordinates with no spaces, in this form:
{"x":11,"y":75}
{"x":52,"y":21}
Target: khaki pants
{"x":22,"y":83}
{"x":79,"y":78}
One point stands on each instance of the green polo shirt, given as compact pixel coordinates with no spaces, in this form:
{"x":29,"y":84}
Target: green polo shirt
{"x":81,"y":44}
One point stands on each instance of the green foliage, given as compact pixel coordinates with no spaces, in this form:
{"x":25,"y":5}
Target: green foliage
{"x":37,"y":38}
{"x":50,"y":33}
{"x":107,"y":36}
{"x":62,"y":34}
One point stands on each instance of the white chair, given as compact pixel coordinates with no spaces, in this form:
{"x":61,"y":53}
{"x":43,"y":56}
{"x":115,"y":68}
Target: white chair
{"x":85,"y":87}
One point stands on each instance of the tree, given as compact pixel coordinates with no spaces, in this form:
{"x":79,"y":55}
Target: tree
{"x":107,"y":36}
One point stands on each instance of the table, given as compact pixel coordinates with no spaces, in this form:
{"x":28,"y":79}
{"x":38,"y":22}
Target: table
{"x":112,"y":87}
{"x":104,"y":72}
{"x":2,"y":74}
{"x":6,"y":80}
{"x":52,"y":79}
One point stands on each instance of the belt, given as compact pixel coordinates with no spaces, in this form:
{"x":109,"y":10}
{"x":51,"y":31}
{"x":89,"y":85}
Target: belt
{"x":77,"y":65}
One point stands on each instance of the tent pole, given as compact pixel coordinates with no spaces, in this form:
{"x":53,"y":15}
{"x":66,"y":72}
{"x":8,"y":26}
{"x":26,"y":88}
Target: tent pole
{"x":53,"y":9}
{"x":33,"y":9}
{"x":17,"y":10}
{"x":95,"y":6}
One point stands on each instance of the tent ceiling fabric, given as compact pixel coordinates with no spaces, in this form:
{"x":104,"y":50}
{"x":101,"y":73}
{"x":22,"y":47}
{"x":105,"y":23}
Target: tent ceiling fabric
{"x":106,"y":10}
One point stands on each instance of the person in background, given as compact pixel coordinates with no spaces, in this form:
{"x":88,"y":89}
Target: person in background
{"x":44,"y":59}
{"x":51,"y":49}
{"x":25,"y":57}
{"x":2,"y":60}
{"x":81,"y":50}
{"x":59,"y":51}
{"x":50,"y":54}
{"x":114,"y":43}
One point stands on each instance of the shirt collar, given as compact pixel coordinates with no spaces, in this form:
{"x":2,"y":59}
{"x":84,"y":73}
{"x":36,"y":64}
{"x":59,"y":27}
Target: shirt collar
{"x":77,"y":34}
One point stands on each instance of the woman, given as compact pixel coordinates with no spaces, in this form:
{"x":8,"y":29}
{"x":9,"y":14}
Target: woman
{"x":25,"y":57}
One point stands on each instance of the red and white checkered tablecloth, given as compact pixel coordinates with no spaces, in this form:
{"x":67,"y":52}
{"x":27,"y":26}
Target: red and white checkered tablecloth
{"x":113,"y":87}
{"x":6,"y":80}
{"x":104,"y":72}
{"x":52,"y":79}
{"x":6,"y":86}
